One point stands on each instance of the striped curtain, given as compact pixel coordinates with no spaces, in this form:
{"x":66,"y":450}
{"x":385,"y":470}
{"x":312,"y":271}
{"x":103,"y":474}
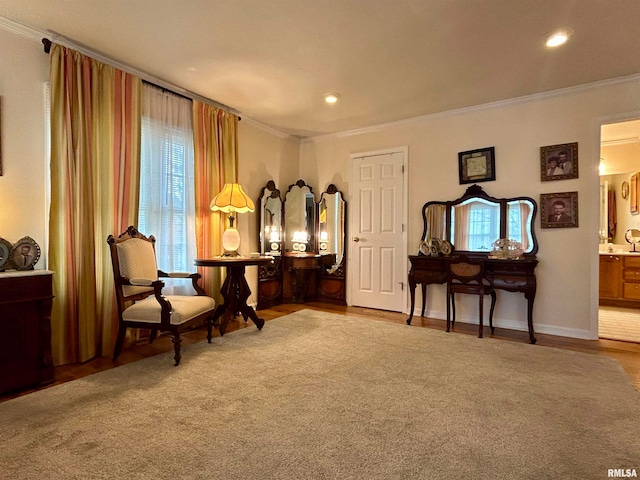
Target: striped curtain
{"x":95,"y":143}
{"x":216,"y":163}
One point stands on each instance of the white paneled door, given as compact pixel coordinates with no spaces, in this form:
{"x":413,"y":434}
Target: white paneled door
{"x":378,"y":266}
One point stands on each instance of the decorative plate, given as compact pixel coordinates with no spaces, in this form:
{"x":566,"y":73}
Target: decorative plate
{"x":445,"y":247}
{"x":424,"y":248}
{"x":436,"y":244}
{"x":5,"y":254}
{"x":25,"y":254}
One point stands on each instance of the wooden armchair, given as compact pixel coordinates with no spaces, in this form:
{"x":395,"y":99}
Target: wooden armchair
{"x":467,"y":276}
{"x":139,"y":293}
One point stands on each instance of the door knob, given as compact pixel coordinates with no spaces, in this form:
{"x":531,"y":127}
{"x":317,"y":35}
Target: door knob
{"x":356,"y":239}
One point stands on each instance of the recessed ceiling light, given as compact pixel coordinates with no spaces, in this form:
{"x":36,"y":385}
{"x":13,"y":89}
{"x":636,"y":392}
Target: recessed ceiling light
{"x":332,"y":98}
{"x":559,"y":37}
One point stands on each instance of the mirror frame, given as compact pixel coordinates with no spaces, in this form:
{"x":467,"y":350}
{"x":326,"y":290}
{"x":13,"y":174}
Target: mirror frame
{"x":274,"y":193}
{"x":340,"y":259}
{"x":312,"y":227}
{"x":476,"y":191}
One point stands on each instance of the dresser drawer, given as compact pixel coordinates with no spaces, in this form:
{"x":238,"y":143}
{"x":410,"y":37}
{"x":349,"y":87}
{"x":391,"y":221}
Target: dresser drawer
{"x":508,"y":282}
{"x":426,"y":277}
{"x":631,"y":274}
{"x":631,"y":291}
{"x":631,"y":262}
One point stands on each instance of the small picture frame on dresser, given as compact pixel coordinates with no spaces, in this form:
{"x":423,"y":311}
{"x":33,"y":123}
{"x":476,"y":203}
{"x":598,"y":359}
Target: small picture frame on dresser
{"x":25,"y":254}
{"x":5,"y":254}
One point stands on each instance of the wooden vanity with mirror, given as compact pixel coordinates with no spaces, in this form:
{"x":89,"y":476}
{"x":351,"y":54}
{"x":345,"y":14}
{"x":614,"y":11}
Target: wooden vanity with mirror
{"x":307,"y":241}
{"x":471,"y":224}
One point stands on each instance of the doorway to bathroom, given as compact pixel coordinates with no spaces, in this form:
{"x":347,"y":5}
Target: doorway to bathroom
{"x":619,"y":290}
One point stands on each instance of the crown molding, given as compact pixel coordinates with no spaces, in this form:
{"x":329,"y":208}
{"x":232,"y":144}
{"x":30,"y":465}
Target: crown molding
{"x":486,"y":106}
{"x":268,"y":129}
{"x":620,"y":141}
{"x":22,"y":30}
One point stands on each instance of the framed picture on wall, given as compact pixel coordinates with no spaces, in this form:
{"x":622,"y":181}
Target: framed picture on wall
{"x":559,"y":162}
{"x":477,"y":165}
{"x":633,"y":193}
{"x":559,"y":210}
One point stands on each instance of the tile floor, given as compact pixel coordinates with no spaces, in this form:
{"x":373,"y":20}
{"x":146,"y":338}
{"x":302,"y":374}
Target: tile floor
{"x":619,"y":324}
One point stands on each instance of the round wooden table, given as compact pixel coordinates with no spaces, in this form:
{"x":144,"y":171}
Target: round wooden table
{"x":235,"y":289}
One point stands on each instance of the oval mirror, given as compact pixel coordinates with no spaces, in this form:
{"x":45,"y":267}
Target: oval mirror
{"x":270,"y":231}
{"x":331,"y":226}
{"x":299,"y":219}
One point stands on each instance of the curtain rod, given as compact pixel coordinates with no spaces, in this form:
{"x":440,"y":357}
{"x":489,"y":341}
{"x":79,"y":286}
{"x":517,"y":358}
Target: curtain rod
{"x":168,"y":87}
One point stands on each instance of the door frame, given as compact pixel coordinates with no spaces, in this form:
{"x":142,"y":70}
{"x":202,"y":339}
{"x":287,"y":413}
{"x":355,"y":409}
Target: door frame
{"x":596,"y":128}
{"x":404,"y":261}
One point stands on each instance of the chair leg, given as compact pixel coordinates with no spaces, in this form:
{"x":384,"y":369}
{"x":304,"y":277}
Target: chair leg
{"x":480,"y":323}
{"x":453,"y":310}
{"x":209,"y":327}
{"x":493,"y":306}
{"x":177,"y":340}
{"x":449,"y":297}
{"x":122,"y":330}
{"x":152,"y":335}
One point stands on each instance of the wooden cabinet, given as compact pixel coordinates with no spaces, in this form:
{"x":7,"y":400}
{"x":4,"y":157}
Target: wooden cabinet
{"x":610,"y":276}
{"x":620,"y":280}
{"x":631,"y":278}
{"x":25,"y":329}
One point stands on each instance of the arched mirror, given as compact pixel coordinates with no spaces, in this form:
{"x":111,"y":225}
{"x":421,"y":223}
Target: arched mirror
{"x":299,"y":219}
{"x":270,"y":217}
{"x":331,"y":226}
{"x":473,"y":222}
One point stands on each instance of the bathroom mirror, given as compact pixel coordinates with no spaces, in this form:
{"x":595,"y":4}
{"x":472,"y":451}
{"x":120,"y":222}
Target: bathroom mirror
{"x":331,"y":225}
{"x":300,"y":219}
{"x":474,"y":221}
{"x":270,"y":218}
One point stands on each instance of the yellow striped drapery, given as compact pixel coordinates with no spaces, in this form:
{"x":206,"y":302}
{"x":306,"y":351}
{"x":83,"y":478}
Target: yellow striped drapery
{"x":216,"y":163}
{"x":95,"y":144}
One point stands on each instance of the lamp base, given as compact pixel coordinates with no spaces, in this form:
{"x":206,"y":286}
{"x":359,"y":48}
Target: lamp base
{"x":231,"y":242}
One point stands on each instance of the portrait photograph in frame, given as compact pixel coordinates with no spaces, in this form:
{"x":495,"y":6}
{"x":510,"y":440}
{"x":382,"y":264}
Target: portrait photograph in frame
{"x":559,"y":210}
{"x":477,"y":165}
{"x":25,"y":254}
{"x":5,"y":254}
{"x":559,"y":162}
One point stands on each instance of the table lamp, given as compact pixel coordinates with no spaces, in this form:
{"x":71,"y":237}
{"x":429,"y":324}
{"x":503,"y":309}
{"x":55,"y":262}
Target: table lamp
{"x":232,"y":200}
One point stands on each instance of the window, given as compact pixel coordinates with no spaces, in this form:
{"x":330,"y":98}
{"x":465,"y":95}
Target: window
{"x":167,"y":205}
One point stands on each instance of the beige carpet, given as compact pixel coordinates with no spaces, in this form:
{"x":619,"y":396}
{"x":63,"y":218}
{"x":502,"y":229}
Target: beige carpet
{"x":321,"y":396}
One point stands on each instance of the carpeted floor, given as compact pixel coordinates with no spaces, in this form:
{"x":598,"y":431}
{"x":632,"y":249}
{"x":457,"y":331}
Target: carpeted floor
{"x":321,"y":396}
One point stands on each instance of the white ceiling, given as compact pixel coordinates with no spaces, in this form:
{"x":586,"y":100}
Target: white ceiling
{"x":272,"y":60}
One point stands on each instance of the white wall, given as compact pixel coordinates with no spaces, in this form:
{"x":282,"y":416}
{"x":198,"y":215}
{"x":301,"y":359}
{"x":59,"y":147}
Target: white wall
{"x":263,"y":155}
{"x":24,"y":72}
{"x":566,"y":301}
